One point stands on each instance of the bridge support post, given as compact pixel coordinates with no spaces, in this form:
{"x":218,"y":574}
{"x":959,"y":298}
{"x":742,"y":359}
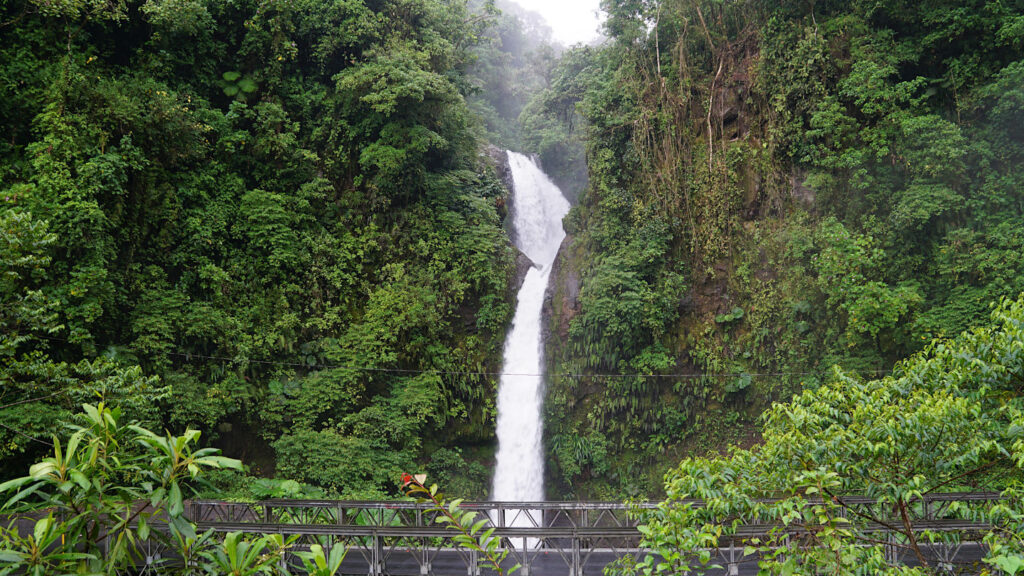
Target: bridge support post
{"x":526,"y":569}
{"x":425,"y":567}
{"x":891,"y":553}
{"x":733,"y":565}
{"x":577,"y":558}
{"x":474,"y":564}
{"x":376,"y":556}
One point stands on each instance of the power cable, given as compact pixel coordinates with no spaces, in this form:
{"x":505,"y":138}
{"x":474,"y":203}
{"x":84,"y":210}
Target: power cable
{"x":20,"y":402}
{"x":188,"y":356}
{"x":20,"y":433}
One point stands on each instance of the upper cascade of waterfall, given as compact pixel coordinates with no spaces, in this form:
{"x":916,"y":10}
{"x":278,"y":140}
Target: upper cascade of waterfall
{"x":539,"y":209}
{"x":538,"y":212}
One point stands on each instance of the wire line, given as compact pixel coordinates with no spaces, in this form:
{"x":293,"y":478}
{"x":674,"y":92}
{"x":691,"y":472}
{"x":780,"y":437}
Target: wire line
{"x":188,"y":356}
{"x":20,"y":402}
{"x":20,"y":433}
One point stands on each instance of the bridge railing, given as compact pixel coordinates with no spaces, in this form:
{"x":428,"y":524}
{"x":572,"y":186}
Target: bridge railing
{"x":574,"y":515}
{"x":412,"y":514}
{"x":403,"y":538}
{"x":573,"y":538}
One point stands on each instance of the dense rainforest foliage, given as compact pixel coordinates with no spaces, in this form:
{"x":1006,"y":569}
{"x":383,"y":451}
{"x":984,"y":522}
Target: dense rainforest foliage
{"x":110,"y":499}
{"x":274,"y":224}
{"x":949,"y":419}
{"x":775,"y":188}
{"x":266,"y":220}
{"x":273,"y":221}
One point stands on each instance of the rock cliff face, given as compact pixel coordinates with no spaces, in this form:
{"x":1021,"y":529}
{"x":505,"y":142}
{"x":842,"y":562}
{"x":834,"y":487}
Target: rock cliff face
{"x":561,"y":302}
{"x":571,"y":179}
{"x":564,"y":396}
{"x":523,"y":265}
{"x":500,"y":159}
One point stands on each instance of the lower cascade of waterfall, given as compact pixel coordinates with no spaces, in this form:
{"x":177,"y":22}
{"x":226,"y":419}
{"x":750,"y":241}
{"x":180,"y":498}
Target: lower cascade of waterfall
{"x":539,"y":207}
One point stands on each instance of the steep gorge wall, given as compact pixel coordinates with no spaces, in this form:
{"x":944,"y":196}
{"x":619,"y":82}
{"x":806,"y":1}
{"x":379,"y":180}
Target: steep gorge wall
{"x":772,"y":192}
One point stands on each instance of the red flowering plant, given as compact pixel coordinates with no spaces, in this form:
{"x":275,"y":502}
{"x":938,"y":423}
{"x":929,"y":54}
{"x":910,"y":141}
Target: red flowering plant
{"x":471,"y":533}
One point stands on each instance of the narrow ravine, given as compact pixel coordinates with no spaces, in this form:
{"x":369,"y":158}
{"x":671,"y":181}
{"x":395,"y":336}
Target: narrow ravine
{"x":539,"y":207}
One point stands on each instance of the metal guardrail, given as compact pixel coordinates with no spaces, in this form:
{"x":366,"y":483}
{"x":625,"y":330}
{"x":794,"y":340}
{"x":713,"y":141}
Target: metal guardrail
{"x":546,"y":538}
{"x":403,"y":538}
{"x":565,"y":538}
{"x":412,"y":514}
{"x":502,"y":514}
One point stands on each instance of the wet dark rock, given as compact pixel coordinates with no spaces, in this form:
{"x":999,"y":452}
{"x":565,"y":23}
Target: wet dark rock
{"x":523,"y":265}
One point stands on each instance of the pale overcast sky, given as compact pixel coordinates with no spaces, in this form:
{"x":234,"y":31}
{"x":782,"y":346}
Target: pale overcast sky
{"x":571,"y":21}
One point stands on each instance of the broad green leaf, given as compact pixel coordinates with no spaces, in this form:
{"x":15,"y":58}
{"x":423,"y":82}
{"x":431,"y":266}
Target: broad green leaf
{"x":174,"y":500}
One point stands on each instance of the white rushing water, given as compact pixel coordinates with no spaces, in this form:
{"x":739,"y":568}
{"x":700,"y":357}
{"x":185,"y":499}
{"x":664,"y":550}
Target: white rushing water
{"x":538,"y":211}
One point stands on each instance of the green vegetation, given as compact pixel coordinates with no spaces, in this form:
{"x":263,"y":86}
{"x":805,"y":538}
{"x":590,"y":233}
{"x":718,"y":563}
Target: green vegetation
{"x":948,"y":419}
{"x":266,"y":220}
{"x":109,"y":490}
{"x":272,"y":222}
{"x":471,"y":531}
{"x":775,"y":188}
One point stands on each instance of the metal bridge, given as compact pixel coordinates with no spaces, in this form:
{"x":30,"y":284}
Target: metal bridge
{"x":554,"y":538}
{"x":404,"y":539}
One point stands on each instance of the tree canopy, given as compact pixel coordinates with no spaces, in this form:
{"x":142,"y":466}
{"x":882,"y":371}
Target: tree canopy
{"x":266,"y":220}
{"x":775,"y":188}
{"x":948,"y":419}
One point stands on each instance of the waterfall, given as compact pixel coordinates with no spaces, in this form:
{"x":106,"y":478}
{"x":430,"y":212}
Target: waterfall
{"x":537,"y":220}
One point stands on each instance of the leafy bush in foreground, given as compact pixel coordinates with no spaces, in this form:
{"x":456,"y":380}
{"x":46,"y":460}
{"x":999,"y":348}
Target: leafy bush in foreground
{"x":111,"y":488}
